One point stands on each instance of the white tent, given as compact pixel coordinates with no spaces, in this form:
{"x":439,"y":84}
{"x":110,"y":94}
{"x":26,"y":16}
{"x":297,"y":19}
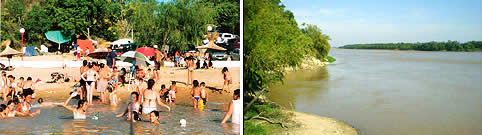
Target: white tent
{"x":44,"y":49}
{"x":122,"y":41}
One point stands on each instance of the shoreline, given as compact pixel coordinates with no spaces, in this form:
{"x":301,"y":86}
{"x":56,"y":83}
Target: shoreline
{"x":397,"y":50}
{"x":312,"y":123}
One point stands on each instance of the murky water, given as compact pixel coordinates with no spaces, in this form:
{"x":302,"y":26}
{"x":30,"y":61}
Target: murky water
{"x":392,"y":93}
{"x":57,"y":120}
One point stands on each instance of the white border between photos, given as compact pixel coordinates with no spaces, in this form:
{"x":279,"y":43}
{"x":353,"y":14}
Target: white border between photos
{"x":241,"y":29}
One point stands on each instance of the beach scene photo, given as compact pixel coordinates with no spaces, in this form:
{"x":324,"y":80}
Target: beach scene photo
{"x":120,"y":67}
{"x":362,"y":67}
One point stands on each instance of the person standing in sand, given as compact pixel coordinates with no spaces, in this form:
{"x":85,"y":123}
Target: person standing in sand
{"x":110,"y":59}
{"x":28,"y":85}
{"x":190,"y":69}
{"x":104,"y":73}
{"x":227,"y":78}
{"x":151,"y":98}
{"x":3,"y":83}
{"x":83,"y":89}
{"x":91,"y":77}
{"x":196,"y":93}
{"x":158,"y":62}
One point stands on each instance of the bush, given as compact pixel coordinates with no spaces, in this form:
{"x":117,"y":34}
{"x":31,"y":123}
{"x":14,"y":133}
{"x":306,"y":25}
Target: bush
{"x":330,"y":59}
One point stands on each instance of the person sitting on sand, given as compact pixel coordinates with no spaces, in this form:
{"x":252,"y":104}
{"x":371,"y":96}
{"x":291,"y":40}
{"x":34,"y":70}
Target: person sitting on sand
{"x":150,"y":74}
{"x":196,"y":93}
{"x":204,"y":94}
{"x":113,"y":98}
{"x":227,"y":78}
{"x":20,"y":82}
{"x":234,"y":109}
{"x":29,"y":85}
{"x":154,"y":118}
{"x":12,"y":86}
{"x":11,"y":112}
{"x":43,"y":103}
{"x":25,"y":106}
{"x":115,"y":76}
{"x":91,"y":77}
{"x":80,"y":111}
{"x":137,"y":106}
{"x":140,"y":72}
{"x":150,"y":98}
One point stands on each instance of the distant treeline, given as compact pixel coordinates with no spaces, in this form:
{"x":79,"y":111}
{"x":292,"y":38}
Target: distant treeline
{"x":428,"y":46}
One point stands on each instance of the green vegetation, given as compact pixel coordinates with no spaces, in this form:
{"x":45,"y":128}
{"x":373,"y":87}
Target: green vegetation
{"x":180,"y":24}
{"x":272,"y":42}
{"x":428,"y":46}
{"x":330,"y":59}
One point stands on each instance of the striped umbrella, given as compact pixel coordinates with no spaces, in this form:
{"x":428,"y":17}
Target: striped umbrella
{"x":140,"y":59}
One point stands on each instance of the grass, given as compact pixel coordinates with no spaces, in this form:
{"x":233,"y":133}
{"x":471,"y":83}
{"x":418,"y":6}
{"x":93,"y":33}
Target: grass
{"x":330,"y":59}
{"x":271,"y":111}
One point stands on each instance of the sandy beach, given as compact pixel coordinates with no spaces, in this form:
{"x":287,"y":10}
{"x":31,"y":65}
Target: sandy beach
{"x":212,"y":77}
{"x":311,"y":123}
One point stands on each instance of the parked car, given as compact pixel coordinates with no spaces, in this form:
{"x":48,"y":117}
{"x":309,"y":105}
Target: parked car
{"x":235,"y":54}
{"x":234,"y":42}
{"x":218,"y":55}
{"x":225,"y":37}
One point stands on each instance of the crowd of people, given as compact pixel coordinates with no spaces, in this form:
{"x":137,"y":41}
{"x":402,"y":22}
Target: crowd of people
{"x":106,"y":78}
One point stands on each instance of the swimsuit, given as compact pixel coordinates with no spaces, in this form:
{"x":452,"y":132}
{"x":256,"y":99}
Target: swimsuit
{"x":79,"y":116}
{"x":89,"y":82}
{"x":204,"y":101}
{"x":197,"y":98}
{"x":115,"y":80}
{"x":11,"y":114}
{"x":148,"y":110}
{"x":25,"y":108}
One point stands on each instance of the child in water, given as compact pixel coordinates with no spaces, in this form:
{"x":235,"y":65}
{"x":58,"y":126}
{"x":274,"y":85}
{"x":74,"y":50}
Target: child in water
{"x":43,"y":103}
{"x":154,"y":115}
{"x":113,"y":98}
{"x":204,"y":94}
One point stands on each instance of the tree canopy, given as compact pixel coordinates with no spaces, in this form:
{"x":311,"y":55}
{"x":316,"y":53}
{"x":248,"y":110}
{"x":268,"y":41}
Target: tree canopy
{"x":428,"y":46}
{"x":180,"y":24}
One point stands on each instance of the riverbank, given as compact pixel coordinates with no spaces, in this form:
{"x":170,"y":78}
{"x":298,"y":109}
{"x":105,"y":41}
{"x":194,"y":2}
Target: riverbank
{"x":310,"y":123}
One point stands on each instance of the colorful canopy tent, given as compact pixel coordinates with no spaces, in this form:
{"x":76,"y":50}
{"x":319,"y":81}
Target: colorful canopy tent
{"x":57,"y":37}
{"x":85,"y":44}
{"x":31,"y":51}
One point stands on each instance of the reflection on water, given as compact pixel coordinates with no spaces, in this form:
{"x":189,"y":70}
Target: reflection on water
{"x":392,"y":92}
{"x":56,"y":120}
{"x":308,"y":83}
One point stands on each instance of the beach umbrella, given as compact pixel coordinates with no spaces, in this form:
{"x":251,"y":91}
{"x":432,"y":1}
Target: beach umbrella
{"x":99,"y":53}
{"x":57,"y":37}
{"x":147,"y":51}
{"x":9,"y":52}
{"x":140,"y":58}
{"x":211,"y":45}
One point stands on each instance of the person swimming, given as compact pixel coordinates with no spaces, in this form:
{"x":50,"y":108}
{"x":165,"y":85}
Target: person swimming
{"x":150,"y":98}
{"x":136,"y":109}
{"x":113,"y":98}
{"x":11,"y":112}
{"x":80,"y":111}
{"x":42,"y":103}
{"x":154,"y":118}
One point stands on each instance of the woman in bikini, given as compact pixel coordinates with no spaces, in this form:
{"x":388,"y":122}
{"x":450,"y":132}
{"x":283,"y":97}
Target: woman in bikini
{"x":227,"y":78}
{"x":10,"y":110}
{"x":25,"y":106}
{"x":151,"y":98}
{"x":80,"y":111}
{"x":91,"y":77}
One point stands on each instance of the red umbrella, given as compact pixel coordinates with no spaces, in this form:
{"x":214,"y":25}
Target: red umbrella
{"x":147,"y":51}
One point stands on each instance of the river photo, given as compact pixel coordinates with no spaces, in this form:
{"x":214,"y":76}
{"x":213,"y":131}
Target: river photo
{"x":383,"y":92}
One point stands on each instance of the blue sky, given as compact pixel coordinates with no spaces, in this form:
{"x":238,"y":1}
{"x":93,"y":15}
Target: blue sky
{"x":372,"y":21}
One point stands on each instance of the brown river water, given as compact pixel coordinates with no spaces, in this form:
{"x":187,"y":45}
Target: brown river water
{"x":392,"y":92}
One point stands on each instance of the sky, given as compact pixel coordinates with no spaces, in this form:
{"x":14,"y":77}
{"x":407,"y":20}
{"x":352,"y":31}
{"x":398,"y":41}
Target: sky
{"x":380,"y":21}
